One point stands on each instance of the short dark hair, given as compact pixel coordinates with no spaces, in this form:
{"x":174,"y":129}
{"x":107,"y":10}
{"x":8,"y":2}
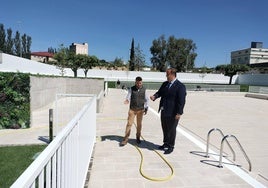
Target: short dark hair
{"x":138,"y":78}
{"x":172,"y":71}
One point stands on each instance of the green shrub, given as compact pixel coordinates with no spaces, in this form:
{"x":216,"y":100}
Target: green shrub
{"x":111,"y":84}
{"x":14,"y":100}
{"x":244,"y":88}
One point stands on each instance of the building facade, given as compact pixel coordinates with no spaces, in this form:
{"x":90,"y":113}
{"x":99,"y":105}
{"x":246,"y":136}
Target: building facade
{"x":79,"y":48}
{"x":43,"y":57}
{"x":255,"y":55}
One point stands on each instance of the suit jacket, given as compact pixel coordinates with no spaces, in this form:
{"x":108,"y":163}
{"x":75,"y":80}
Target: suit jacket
{"x":172,"y":99}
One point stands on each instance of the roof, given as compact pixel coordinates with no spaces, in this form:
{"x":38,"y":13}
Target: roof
{"x":43,"y":54}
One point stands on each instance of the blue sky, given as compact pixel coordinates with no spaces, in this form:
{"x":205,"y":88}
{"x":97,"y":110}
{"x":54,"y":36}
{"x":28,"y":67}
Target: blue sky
{"x":217,"y":27}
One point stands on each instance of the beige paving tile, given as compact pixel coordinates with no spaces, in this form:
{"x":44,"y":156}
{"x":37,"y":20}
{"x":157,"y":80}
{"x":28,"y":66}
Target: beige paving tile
{"x":115,"y":166}
{"x":202,"y":112}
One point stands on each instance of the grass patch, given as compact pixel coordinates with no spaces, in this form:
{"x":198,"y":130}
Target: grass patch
{"x":244,"y":88}
{"x":14,"y":160}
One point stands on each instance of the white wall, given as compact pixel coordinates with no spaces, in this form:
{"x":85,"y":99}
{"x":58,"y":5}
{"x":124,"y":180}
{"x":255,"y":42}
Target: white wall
{"x":113,"y":75}
{"x":253,"y":79}
{"x":44,"y":89}
{"x":9,"y":63}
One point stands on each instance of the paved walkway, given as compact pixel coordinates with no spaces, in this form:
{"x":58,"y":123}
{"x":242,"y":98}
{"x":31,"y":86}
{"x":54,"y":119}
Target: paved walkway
{"x":39,"y":132}
{"x":119,"y":167}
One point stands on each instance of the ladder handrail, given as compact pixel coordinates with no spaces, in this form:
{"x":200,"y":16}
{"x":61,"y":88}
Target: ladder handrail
{"x":243,"y":151}
{"x":208,"y":138}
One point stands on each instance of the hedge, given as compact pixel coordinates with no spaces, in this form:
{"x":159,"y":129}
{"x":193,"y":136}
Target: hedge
{"x":14,"y":100}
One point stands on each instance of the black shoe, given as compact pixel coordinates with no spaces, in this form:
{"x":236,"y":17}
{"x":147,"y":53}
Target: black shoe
{"x":169,"y":150}
{"x":138,"y":140}
{"x":163,"y":147}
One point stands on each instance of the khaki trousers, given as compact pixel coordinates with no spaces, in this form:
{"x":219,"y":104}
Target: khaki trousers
{"x":130,"y":121}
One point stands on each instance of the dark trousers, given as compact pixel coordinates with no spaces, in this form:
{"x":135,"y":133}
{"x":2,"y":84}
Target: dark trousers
{"x":169,"y":125}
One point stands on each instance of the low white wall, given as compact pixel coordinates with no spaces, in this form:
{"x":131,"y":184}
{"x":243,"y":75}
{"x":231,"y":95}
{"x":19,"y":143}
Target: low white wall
{"x":44,"y":89}
{"x":16,"y":64}
{"x":9,"y":63}
{"x":253,"y":79}
{"x":113,"y":75}
{"x":43,"y":93}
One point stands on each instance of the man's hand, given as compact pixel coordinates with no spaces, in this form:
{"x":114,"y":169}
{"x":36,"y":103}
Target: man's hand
{"x":126,"y":102}
{"x":152,"y":98}
{"x":145,"y":110}
{"x":177,"y":116}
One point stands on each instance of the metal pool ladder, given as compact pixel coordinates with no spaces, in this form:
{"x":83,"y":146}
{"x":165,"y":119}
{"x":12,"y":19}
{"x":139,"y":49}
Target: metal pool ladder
{"x":208,"y":139}
{"x":224,"y":139}
{"x":243,"y":151}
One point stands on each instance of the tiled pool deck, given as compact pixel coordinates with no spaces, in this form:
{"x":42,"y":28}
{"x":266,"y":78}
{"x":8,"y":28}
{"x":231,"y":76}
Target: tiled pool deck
{"x":119,"y":167}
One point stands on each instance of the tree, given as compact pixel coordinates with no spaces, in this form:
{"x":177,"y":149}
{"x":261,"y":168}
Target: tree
{"x":9,"y":42}
{"x":23,"y":45}
{"x":232,"y":69}
{"x":51,"y":50}
{"x":2,"y":38}
{"x":61,"y":58}
{"x":28,"y":47}
{"x":139,"y":58}
{"x":67,"y":58}
{"x":103,"y":63}
{"x":220,"y":68}
{"x":181,"y":53}
{"x":118,"y":62}
{"x":132,"y":57}
{"x":17,"y":44}
{"x":176,"y":53}
{"x":159,"y":52}
{"x":88,"y":63}
{"x":74,"y":61}
{"x":26,"y":42}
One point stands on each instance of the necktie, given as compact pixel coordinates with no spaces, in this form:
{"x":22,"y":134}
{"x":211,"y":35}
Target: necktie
{"x":169,"y":84}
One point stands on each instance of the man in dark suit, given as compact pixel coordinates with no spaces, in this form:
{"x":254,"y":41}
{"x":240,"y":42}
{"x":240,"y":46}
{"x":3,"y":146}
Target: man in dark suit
{"x":173,"y":94}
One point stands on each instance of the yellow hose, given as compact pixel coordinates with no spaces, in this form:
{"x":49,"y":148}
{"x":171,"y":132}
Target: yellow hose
{"x":141,"y":163}
{"x":155,"y":178}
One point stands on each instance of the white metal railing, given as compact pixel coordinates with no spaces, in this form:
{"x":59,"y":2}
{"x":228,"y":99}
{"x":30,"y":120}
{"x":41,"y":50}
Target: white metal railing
{"x":64,"y":162}
{"x":67,"y":105}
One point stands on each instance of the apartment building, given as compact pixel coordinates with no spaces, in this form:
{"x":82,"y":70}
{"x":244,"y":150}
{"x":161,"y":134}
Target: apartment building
{"x":256,"y":55}
{"x":79,"y":48}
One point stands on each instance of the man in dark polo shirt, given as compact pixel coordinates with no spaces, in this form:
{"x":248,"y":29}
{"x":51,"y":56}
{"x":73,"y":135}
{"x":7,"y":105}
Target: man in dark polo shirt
{"x":138,"y":106}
